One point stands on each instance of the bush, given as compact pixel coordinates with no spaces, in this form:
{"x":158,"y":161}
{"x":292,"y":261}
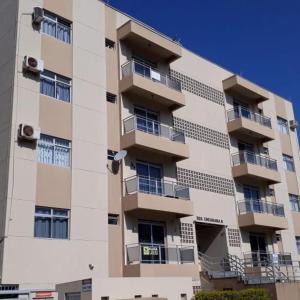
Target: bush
{"x":247,"y":294}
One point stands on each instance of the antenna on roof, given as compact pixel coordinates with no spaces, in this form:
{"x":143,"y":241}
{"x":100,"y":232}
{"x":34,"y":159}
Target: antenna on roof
{"x":176,"y":38}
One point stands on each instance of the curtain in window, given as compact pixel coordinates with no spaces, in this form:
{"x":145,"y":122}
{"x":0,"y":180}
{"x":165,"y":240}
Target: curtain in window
{"x":46,"y":151}
{"x":47,"y":87}
{"x":63,"y":33}
{"x":62,"y":157}
{"x":63,"y":92}
{"x":60,"y":228}
{"x":42,"y":227}
{"x":49,"y":27}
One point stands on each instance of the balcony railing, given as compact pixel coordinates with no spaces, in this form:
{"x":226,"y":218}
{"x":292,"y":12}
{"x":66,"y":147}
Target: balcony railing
{"x":159,"y":254}
{"x":248,"y":157}
{"x":243,"y":112}
{"x":156,"y":186}
{"x":142,"y":69}
{"x":261,"y":207}
{"x":152,"y":127}
{"x":265,"y":258}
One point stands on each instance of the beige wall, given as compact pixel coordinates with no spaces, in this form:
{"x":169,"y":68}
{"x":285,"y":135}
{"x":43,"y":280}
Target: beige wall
{"x":8,"y":32}
{"x":83,"y":187}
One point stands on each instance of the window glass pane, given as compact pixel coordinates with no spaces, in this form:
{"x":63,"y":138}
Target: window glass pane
{"x":282,"y":125}
{"x":49,"y":27}
{"x":45,"y":150}
{"x":60,"y":212}
{"x":64,"y":32}
{"x":47,"y":87}
{"x":62,"y":156}
{"x":60,"y":228}
{"x":62,"y":91}
{"x":43,"y":210}
{"x":42,"y":227}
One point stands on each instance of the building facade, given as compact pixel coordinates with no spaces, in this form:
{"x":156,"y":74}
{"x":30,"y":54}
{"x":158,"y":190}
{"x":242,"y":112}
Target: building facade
{"x":209,"y":179}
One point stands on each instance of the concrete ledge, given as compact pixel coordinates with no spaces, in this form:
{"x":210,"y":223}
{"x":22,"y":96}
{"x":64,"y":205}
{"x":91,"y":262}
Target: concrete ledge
{"x":262,"y":222}
{"x":142,"y":140}
{"x":138,"y":202}
{"x":153,"y":91}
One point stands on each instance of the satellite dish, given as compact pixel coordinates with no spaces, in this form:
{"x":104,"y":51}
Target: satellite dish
{"x":120,"y":155}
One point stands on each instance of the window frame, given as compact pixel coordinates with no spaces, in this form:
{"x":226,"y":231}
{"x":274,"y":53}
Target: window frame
{"x":298,"y":243}
{"x":114,"y":217}
{"x":288,"y":163}
{"x":282,"y":125}
{"x":56,"y":79}
{"x":294,"y":202}
{"x":55,"y":146}
{"x":52,"y":216}
{"x":57,"y":20}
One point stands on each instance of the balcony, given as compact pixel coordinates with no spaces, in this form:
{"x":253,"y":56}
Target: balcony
{"x":243,"y":123}
{"x":244,"y":90}
{"x":151,"y":136}
{"x":158,"y":196}
{"x":266,"y":258}
{"x":261,"y":215}
{"x":149,"y":42}
{"x":148,"y":260}
{"x":141,"y":80}
{"x":249,"y":166}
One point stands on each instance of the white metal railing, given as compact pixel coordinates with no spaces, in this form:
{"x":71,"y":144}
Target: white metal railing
{"x":156,"y":186}
{"x":253,"y":158}
{"x":243,"y":112}
{"x":159,"y":254}
{"x":142,"y":69}
{"x":152,"y":127}
{"x":259,"y":206}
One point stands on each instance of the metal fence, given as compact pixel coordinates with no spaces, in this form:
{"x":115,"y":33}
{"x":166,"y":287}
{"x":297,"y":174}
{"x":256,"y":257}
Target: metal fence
{"x":142,"y":69}
{"x":260,"y":206}
{"x":159,"y":254}
{"x":156,"y":186}
{"x":243,"y":112}
{"x":265,"y":258}
{"x":153,"y":127}
{"x":254,"y":158}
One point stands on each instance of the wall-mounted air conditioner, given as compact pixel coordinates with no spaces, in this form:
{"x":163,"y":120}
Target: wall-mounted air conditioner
{"x":33,"y":64}
{"x":37,"y":15}
{"x":28,"y":132}
{"x":293,"y":124}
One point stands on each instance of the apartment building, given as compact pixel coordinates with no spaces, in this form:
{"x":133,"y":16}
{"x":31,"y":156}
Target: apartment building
{"x":131,"y":167}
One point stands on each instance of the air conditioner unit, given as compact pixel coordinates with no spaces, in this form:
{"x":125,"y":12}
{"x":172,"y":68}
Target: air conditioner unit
{"x":28,"y":132}
{"x":293,"y":124}
{"x":37,"y":15}
{"x":33,"y":64}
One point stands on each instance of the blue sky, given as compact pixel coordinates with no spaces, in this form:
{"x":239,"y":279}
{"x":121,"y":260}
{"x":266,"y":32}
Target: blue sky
{"x":258,"y":39}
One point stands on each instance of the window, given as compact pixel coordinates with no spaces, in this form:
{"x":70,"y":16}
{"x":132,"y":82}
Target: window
{"x":282,"y":125}
{"x":109,"y":44}
{"x":298,"y":243}
{"x":265,"y":150}
{"x":55,"y":86}
{"x":111,"y":154}
{"x":51,"y":223}
{"x":294,"y":202}
{"x":54,"y":151}
{"x":278,"y":237}
{"x":113,"y":219}
{"x":56,"y":27}
{"x":288,"y":163}
{"x":111,"y":98}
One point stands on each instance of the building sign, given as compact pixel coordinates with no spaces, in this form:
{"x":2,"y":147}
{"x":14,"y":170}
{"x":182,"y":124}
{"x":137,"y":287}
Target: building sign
{"x":150,"y":250}
{"x":86,"y":285}
{"x":43,"y":295}
{"x":210,"y":220}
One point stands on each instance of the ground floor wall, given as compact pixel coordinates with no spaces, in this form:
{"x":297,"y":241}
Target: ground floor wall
{"x":179,"y":288}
